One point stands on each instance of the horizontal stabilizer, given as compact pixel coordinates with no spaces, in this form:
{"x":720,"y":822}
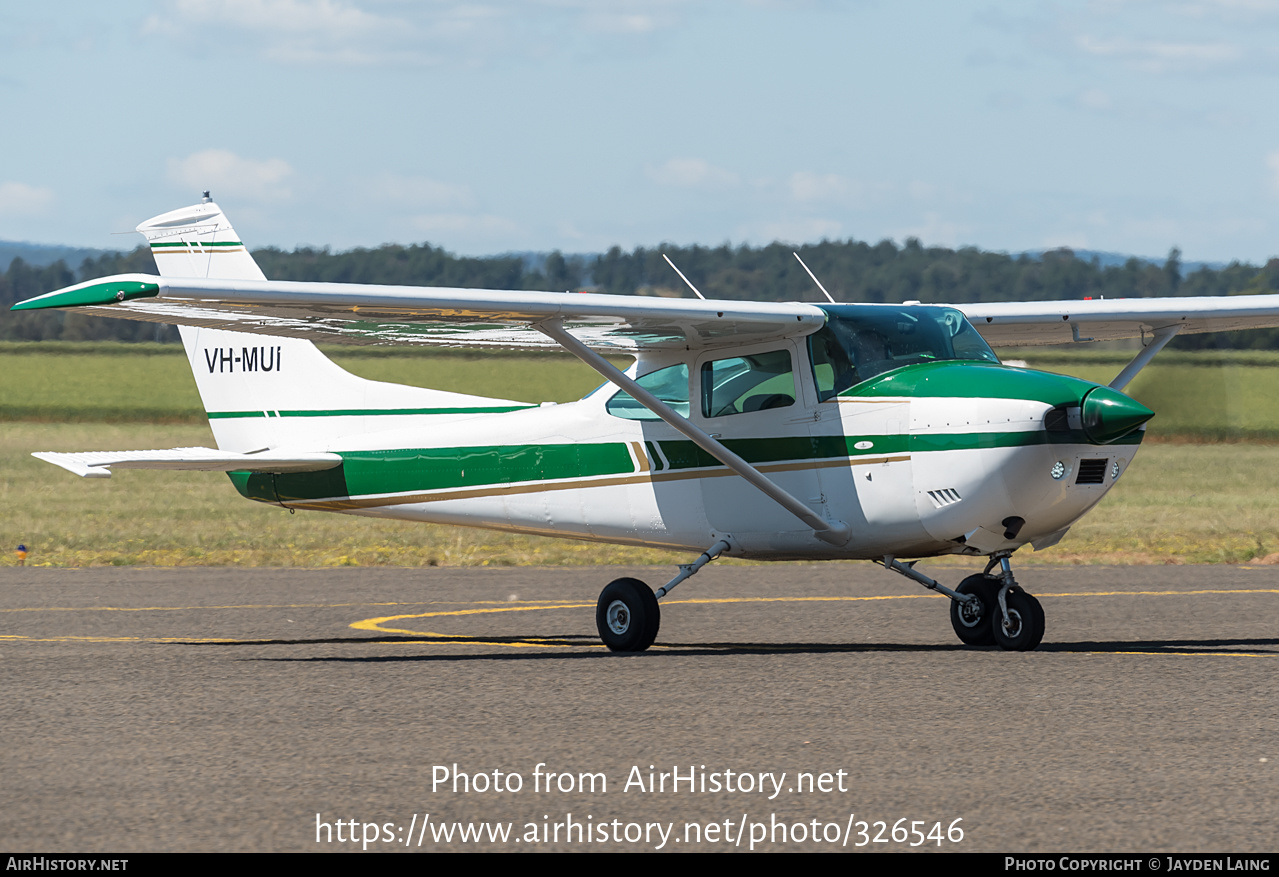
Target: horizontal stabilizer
{"x":96,"y":464}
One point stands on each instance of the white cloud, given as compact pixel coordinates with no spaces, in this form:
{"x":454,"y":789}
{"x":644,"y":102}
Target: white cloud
{"x":626,"y":17}
{"x":329,"y":18}
{"x":689,"y":173}
{"x":289,"y":31}
{"x":1158,"y":57}
{"x":366,"y":33}
{"x":1272,"y":162}
{"x":1217,"y":8}
{"x":921,"y":191}
{"x":472,"y":227}
{"x":935,"y":231}
{"x":1094,"y":99}
{"x":797,"y":231}
{"x":224,"y":172}
{"x":810,"y":187}
{"x":1070,"y":240}
{"x":420,"y":192}
{"x":19,"y":199}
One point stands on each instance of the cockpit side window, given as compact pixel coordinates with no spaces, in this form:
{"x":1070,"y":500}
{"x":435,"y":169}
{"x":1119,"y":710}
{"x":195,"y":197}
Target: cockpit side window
{"x":741,"y":384}
{"x":669,"y":384}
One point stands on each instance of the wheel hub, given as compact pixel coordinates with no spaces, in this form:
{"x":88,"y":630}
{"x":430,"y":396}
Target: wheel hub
{"x":619,"y":617}
{"x":971,"y":612}
{"x":1012,"y":623}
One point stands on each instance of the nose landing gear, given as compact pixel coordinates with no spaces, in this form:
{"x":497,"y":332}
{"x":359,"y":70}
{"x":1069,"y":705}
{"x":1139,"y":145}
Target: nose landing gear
{"x":987,"y":609}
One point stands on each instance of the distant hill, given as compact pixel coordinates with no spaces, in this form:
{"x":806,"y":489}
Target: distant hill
{"x":853,"y":271}
{"x":42,"y":255}
{"x":1118,"y":260}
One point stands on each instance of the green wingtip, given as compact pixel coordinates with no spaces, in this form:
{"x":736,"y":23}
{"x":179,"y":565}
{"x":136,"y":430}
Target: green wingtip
{"x":97,"y":292}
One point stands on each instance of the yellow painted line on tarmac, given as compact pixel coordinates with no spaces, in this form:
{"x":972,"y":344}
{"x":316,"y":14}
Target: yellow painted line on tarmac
{"x":1201,"y":654}
{"x":502,"y":605}
{"x":375,"y":624}
{"x":489,"y":607}
{"x":114,"y":639}
{"x":266,"y":606}
{"x":1198,"y":593}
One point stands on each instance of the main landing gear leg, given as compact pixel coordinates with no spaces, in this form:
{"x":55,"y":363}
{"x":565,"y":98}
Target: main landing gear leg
{"x":627,"y":615}
{"x":986,"y":609}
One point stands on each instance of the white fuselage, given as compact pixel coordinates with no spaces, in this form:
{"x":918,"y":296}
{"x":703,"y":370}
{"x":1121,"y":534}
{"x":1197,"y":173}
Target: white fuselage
{"x":910,"y":475}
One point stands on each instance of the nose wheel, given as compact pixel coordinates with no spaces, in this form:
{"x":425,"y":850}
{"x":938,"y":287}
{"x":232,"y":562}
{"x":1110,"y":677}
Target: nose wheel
{"x":1022,"y":625}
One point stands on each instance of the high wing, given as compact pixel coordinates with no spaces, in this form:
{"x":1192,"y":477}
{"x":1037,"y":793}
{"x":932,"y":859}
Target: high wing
{"x":377,"y":314}
{"x":371,"y":314}
{"x":1018,"y":324}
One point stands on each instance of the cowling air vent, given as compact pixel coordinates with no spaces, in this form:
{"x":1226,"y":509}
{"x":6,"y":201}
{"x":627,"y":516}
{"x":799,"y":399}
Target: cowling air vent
{"x":946,"y":496}
{"x":1092,"y":471}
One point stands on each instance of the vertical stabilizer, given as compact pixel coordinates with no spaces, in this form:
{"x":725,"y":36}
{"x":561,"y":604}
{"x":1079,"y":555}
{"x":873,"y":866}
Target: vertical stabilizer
{"x":199,"y":242}
{"x":262,"y":391}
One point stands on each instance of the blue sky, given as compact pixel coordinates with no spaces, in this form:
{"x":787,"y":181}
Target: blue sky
{"x":1122,"y":125}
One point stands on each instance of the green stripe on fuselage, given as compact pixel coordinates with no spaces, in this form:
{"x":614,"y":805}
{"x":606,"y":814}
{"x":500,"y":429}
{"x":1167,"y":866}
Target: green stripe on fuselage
{"x":367,"y":473}
{"x":416,"y":470}
{"x":368,"y":412}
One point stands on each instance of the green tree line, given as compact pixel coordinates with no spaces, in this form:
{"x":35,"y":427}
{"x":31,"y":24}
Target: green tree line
{"x":853,"y":271}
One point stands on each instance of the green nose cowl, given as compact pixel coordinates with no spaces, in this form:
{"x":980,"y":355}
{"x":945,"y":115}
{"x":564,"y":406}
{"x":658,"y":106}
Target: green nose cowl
{"x":1109,"y":415}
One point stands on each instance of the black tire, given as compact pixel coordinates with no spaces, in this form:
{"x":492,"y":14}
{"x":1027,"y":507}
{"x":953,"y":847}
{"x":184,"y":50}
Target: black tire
{"x":1027,"y":618}
{"x":975,"y":627}
{"x":627,"y":616}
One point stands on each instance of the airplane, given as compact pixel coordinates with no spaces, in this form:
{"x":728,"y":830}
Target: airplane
{"x":768,"y":431}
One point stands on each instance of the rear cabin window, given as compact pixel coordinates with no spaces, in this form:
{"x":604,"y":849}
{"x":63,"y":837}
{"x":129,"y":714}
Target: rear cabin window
{"x":669,"y":384}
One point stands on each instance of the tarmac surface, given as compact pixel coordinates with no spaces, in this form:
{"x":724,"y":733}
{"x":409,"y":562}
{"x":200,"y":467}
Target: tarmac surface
{"x":258,"y":710}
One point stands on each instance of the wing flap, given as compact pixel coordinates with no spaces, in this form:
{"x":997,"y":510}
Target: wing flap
{"x":97,"y":464}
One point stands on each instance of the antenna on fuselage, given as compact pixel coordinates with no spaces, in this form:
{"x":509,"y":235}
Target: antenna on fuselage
{"x":814,"y":276}
{"x":682,"y":277}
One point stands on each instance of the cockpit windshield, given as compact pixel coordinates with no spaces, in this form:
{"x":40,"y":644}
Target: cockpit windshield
{"x":861,"y":341}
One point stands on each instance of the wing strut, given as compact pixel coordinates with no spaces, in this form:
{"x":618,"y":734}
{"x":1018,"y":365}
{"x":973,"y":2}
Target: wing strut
{"x":1161,"y":337}
{"x":836,"y":533}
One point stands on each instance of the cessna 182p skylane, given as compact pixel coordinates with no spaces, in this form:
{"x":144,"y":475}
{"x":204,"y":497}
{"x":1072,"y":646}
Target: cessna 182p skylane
{"x":744,"y":429}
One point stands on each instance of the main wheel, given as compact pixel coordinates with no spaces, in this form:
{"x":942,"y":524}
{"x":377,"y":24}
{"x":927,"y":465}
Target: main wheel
{"x":974,"y":622}
{"x":1025,"y":623}
{"x":627,"y":616}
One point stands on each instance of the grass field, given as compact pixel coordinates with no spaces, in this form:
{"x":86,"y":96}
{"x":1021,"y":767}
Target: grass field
{"x":151,"y":383}
{"x":1209,"y":395}
{"x":1179,"y":502}
{"x":197,"y":518}
{"x":1200,"y":395}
